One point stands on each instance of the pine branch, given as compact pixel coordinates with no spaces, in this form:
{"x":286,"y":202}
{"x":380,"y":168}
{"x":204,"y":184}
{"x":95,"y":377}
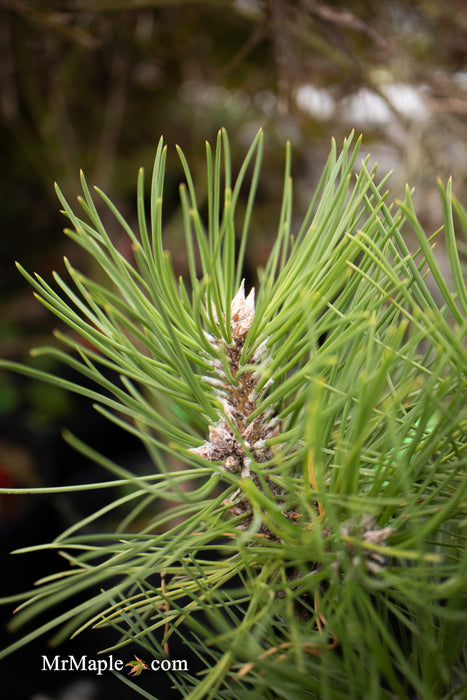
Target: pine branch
{"x":312,"y":539}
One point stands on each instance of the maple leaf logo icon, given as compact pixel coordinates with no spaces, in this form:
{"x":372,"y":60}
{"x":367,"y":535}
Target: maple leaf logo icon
{"x":138,"y":666}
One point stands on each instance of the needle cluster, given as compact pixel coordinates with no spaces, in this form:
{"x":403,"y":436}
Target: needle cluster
{"x":339,"y":391}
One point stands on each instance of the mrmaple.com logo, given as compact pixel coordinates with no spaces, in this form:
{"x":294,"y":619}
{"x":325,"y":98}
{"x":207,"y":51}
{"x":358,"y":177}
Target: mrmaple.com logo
{"x":99,"y":666}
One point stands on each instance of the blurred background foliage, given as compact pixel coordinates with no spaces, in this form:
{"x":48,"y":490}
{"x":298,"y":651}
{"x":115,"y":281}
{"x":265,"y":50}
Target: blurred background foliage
{"x":92,"y":84}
